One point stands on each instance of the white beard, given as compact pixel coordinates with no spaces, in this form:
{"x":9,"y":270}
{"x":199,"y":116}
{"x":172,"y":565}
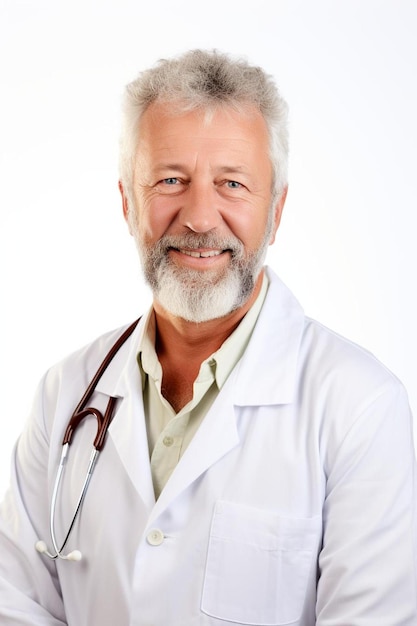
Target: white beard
{"x":199,"y":296}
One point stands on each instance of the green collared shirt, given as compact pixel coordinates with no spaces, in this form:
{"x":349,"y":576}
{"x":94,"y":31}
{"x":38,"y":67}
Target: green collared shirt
{"x":169,"y":433}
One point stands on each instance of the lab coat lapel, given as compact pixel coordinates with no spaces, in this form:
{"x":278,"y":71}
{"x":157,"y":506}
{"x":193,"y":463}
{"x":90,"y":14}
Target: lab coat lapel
{"x":128,"y":428}
{"x":216,"y":436}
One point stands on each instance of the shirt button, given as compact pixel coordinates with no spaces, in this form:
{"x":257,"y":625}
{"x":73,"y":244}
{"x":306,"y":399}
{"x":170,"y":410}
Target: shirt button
{"x":168,"y":441}
{"x":155,"y":537}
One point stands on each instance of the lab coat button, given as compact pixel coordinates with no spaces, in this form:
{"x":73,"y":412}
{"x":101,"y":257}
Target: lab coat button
{"x":168,"y":441}
{"x":155,"y":537}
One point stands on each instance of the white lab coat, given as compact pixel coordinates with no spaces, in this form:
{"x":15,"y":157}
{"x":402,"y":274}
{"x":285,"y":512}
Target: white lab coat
{"x":302,"y":471}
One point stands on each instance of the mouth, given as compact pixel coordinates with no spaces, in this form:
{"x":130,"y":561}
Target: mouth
{"x":200,"y":254}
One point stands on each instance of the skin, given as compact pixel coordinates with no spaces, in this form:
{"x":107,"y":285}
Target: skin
{"x":200,"y":174}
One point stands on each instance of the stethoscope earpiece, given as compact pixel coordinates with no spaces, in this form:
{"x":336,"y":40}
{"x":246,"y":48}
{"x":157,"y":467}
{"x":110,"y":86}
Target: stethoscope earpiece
{"x":41,"y":547}
{"x":75,"y":555}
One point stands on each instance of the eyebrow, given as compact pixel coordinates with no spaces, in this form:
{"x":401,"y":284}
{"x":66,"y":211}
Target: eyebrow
{"x":229,"y":169}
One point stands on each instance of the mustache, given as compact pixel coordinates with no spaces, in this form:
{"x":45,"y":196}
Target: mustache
{"x":199,"y":240}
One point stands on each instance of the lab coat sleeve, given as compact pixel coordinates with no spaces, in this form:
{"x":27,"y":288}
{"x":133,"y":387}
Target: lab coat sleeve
{"x":368,"y":560}
{"x":29,"y":589}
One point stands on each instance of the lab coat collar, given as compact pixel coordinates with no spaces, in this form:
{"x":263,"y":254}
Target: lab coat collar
{"x":267,"y":372}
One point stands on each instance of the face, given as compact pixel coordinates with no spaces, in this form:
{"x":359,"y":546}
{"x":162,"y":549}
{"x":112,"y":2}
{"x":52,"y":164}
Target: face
{"x":200,"y":208}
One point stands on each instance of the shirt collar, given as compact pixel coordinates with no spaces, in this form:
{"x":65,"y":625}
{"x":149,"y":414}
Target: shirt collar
{"x":220,"y":364}
{"x":235,"y":345}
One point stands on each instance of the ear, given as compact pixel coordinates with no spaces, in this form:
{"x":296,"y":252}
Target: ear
{"x":125,"y":204}
{"x":124,"y":200}
{"x":278,"y":213}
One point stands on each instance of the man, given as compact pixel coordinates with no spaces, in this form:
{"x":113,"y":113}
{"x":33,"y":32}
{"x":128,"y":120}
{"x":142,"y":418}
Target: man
{"x":258,"y":469}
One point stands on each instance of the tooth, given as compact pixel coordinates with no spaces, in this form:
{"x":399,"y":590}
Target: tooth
{"x":211,"y":253}
{"x":204,"y":255}
{"x":201,"y":254}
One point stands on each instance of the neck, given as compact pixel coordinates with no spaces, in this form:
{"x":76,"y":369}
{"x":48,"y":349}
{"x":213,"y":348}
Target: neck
{"x":180,"y":340}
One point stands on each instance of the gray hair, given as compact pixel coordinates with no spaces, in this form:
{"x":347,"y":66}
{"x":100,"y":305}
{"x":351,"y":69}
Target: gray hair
{"x":202,"y":79}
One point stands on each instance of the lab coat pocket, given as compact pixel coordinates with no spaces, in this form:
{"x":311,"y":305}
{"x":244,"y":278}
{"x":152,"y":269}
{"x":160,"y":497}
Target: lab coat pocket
{"x":258,"y":565}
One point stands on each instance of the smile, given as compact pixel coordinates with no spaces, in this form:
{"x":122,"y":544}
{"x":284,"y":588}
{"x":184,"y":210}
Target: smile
{"x":204,"y":255}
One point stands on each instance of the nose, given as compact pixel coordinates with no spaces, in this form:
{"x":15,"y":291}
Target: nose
{"x":200,"y":211}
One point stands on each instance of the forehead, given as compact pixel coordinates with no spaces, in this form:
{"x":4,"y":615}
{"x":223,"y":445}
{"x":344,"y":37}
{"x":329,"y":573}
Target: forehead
{"x":164,"y":127}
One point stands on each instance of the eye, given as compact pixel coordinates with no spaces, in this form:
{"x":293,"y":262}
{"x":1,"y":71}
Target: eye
{"x":171,"y":185}
{"x":233,"y":184}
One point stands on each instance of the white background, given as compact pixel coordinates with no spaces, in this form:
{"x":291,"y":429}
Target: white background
{"x":346,"y":246}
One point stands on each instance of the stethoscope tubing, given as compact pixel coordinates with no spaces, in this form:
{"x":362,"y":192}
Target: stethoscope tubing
{"x":103,"y":423}
{"x":91,"y":465}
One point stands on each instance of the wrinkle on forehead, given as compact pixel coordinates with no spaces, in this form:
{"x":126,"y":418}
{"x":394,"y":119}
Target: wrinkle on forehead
{"x":158,"y":112}
{"x":227,"y":141}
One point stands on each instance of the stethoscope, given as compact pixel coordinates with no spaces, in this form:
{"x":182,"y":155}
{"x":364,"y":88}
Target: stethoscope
{"x":103,"y":423}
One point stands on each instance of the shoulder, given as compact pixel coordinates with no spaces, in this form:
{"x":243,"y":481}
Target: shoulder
{"x":347,"y":390}
{"x":90,"y":353}
{"x":319,"y":348}
{"x":331,"y":357}
{"x":324,"y":366}
{"x":77,"y":369}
